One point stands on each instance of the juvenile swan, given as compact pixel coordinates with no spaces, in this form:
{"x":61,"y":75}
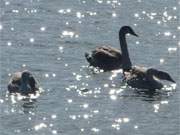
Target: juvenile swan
{"x":144,"y":78}
{"x":140,"y":77}
{"x":23,"y":82}
{"x":109,"y":58}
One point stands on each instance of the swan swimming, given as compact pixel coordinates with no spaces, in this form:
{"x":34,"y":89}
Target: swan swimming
{"x":23,"y":83}
{"x":140,"y":77}
{"x":109,"y":58}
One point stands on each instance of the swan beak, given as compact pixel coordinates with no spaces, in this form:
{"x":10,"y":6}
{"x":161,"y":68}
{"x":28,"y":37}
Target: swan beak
{"x":172,"y":80}
{"x":135,"y":35}
{"x":169,"y":78}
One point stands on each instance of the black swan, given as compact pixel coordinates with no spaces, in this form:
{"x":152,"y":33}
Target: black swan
{"x":109,"y":58}
{"x":23,"y":83}
{"x":140,"y":77}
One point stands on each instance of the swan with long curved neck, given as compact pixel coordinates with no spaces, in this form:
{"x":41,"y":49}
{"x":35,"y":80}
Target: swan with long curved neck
{"x":109,"y":58}
{"x":23,"y":83}
{"x":140,"y":77}
{"x":126,"y":62}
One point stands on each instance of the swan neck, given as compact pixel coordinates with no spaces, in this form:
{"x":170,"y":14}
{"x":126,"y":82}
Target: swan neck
{"x":24,"y":86}
{"x":126,"y":62}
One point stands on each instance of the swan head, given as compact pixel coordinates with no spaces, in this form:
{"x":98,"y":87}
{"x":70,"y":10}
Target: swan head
{"x":160,"y":74}
{"x":25,"y":82}
{"x":26,"y":75}
{"x":127,"y":30}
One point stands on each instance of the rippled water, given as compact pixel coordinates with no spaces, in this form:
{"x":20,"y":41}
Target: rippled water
{"x":50,"y":37}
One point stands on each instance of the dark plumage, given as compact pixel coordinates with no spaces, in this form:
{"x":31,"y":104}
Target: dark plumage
{"x":143,"y":78}
{"x":140,"y":77}
{"x":108,"y":58}
{"x":23,"y":82}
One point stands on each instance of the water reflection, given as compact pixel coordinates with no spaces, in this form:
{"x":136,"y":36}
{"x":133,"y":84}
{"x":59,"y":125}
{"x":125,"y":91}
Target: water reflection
{"x":21,"y":104}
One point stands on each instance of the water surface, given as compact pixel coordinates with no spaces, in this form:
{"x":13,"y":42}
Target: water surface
{"x":49,"y":38}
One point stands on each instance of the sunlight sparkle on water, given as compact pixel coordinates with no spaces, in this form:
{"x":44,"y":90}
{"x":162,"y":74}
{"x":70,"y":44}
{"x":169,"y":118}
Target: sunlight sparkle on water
{"x":172,"y":49}
{"x":96,"y":111}
{"x":91,"y":13}
{"x":100,"y":1}
{"x":136,"y":15}
{"x":119,"y":120}
{"x":158,"y":22}
{"x":114,"y":14}
{"x":166,"y":17}
{"x":31,"y":40}
{"x":54,"y":132}
{"x":85,"y":106}
{"x":125,"y":120}
{"x":7,"y":3}
{"x":137,"y":42}
{"x":9,"y":43}
{"x":1,"y":101}
{"x":51,"y":125}
{"x":117,"y":71}
{"x":167,"y":33}
{"x":136,"y":127}
{"x":64,"y":11}
{"x":68,"y":10}
{"x":46,"y":75}
{"x":40,"y":126}
{"x":53,"y":75}
{"x":164,"y":102}
{"x":43,"y":28}
{"x":106,"y":85}
{"x":68,"y":34}
{"x":79,"y":15}
{"x":113,"y":97}
{"x":156,"y":107}
{"x":15,"y":11}
{"x":116,"y":126}
{"x":23,"y":65}
{"x":78,"y":77}
{"x":44,"y":118}
{"x":73,"y":117}
{"x":86,"y":116}
{"x":1,"y":27}
{"x":112,"y":91}
{"x":69,"y":100}
{"x":161,"y":61}
{"x":95,"y":130}
{"x":173,"y":85}
{"x":53,"y":116}
{"x":61,"y":49}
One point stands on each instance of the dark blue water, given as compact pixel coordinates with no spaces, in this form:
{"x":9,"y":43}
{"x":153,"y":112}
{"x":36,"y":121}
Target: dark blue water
{"x":49,"y":38}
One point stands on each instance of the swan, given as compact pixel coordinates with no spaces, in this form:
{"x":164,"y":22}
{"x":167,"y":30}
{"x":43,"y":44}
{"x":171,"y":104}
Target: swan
{"x":146,"y":78}
{"x":140,"y":77}
{"x":23,"y":83}
{"x":109,"y":58}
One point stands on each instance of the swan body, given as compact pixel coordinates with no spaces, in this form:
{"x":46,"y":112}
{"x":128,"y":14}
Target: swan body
{"x":108,"y":58}
{"x":146,"y":78}
{"x":105,"y":57}
{"x":23,"y":83}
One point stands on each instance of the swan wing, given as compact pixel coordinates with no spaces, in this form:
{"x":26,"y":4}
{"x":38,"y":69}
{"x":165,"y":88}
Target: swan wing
{"x":106,"y":53}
